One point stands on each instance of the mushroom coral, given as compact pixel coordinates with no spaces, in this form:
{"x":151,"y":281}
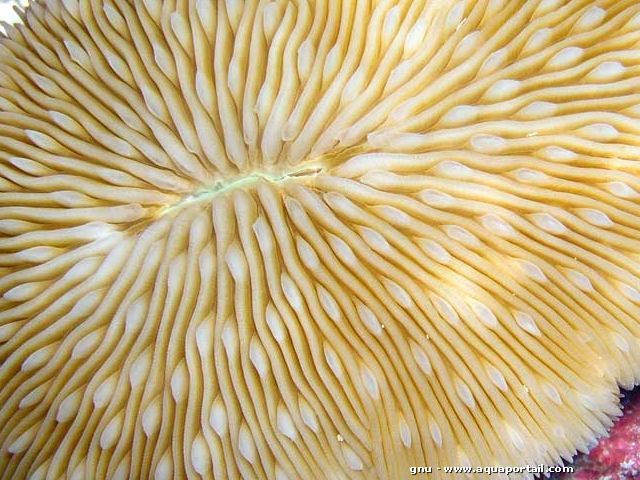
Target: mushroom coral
{"x":315,"y":239}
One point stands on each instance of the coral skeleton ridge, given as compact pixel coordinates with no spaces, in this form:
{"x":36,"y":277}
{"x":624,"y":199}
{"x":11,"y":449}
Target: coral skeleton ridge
{"x":315,"y":239}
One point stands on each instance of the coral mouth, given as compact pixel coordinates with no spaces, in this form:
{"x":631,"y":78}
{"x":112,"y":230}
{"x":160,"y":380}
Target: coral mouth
{"x":206,"y":194}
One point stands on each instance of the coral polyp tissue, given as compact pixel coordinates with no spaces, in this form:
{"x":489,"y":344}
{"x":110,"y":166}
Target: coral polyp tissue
{"x":315,"y":239}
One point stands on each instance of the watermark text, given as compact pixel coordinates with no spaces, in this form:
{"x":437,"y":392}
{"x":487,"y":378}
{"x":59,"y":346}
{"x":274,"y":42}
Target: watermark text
{"x":469,"y":470}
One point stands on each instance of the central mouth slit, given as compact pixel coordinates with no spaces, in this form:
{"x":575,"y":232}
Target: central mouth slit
{"x":240,"y":181}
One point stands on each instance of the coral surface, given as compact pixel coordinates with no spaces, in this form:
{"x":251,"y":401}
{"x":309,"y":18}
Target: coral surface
{"x":315,"y":239}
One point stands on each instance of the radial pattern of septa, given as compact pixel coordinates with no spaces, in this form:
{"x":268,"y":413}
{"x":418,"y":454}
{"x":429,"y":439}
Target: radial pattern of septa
{"x":315,"y":239}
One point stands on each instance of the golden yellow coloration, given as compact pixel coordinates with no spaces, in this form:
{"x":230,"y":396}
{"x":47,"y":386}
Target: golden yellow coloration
{"x":315,"y":239}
